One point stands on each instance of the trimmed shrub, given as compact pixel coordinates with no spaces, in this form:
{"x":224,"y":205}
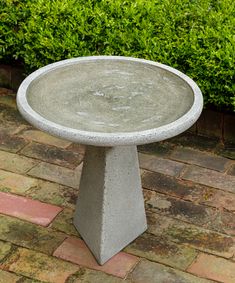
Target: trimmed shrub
{"x":194,"y":36}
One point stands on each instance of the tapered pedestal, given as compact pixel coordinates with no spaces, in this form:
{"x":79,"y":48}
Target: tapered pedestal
{"x":110,"y":208}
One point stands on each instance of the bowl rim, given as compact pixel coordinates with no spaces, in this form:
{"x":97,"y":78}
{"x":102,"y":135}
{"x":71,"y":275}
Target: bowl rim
{"x":109,"y":139}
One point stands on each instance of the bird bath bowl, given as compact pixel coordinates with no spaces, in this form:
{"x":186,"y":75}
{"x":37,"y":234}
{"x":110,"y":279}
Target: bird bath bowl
{"x":111,"y":104}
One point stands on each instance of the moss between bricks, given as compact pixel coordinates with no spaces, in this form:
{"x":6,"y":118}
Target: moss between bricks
{"x":195,"y":37}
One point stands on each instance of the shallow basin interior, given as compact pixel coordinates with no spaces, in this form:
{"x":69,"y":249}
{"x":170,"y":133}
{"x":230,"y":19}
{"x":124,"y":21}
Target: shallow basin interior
{"x":110,"y":96}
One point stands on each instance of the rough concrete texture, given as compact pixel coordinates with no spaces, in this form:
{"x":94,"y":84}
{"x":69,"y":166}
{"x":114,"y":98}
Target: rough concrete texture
{"x":110,"y":209}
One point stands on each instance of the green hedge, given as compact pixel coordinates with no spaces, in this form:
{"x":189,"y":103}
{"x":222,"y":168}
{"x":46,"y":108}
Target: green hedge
{"x":194,"y":36}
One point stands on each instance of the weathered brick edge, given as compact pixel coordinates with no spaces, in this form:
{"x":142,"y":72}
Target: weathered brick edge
{"x":10,"y":76}
{"x":211,"y":123}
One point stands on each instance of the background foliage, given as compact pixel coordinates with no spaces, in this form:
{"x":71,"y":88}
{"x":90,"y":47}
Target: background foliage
{"x":194,"y":36}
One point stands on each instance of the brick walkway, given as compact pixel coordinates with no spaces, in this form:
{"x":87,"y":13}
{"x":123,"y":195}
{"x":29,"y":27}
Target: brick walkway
{"x":189,"y":188}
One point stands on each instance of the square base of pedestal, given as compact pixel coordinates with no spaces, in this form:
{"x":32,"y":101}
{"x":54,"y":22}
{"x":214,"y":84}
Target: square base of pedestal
{"x":110,"y":208}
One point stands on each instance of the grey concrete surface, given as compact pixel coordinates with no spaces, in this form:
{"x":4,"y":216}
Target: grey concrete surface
{"x":110,"y":208}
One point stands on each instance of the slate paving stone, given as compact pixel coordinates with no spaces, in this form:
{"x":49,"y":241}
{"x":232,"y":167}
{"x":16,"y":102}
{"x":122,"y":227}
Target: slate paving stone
{"x":40,"y":266}
{"x":29,"y":235}
{"x":215,"y":268}
{"x":200,"y":158}
{"x":158,"y":249}
{"x":147,"y":271}
{"x":160,"y":165}
{"x":210,"y":178}
{"x":207,"y":217}
{"x":57,"y":174}
{"x":52,"y":154}
{"x":16,"y":163}
{"x":54,"y":193}
{"x":197,"y":237}
{"x":64,"y":222}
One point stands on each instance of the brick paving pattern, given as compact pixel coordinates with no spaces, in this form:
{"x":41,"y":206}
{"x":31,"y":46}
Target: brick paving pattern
{"x":189,"y":189}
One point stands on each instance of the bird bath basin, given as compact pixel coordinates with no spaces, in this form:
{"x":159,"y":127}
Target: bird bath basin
{"x":111,"y":104}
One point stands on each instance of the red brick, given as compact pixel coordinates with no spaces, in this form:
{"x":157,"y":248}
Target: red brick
{"x":27,"y":209}
{"x":229,"y":130}
{"x":210,"y":124}
{"x":215,"y":268}
{"x":76,"y":251}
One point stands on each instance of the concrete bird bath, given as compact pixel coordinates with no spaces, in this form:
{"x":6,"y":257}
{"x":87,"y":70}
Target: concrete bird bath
{"x":111,"y":104}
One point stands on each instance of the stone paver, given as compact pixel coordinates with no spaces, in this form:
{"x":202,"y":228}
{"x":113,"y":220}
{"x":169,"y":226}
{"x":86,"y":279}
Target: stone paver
{"x":93,"y":276}
{"x":41,"y":137}
{"x":203,"y":159}
{"x":150,"y":272}
{"x":160,"y":250}
{"x":8,"y":99}
{"x":29,"y":235}
{"x":210,"y":178}
{"x":227,"y":151}
{"x":215,"y":268}
{"x":159,"y":148}
{"x":8,"y":277}
{"x":187,"y":190}
{"x":232,"y":170}
{"x":160,"y":165}
{"x":28,"y":209}
{"x":54,"y":193}
{"x":207,"y":217}
{"x":195,"y":141}
{"x":76,"y":251}
{"x":52,"y":154}
{"x":202,"y":239}
{"x":16,"y":183}
{"x":64,"y":222}
{"x":4,"y":250}
{"x":57,"y":174}
{"x":16,"y":163}
{"x":40,"y":266}
{"x":10,"y":142}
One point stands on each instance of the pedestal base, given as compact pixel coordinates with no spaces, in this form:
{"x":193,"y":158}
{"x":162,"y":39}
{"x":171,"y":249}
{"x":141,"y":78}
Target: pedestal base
{"x":110,"y":208}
